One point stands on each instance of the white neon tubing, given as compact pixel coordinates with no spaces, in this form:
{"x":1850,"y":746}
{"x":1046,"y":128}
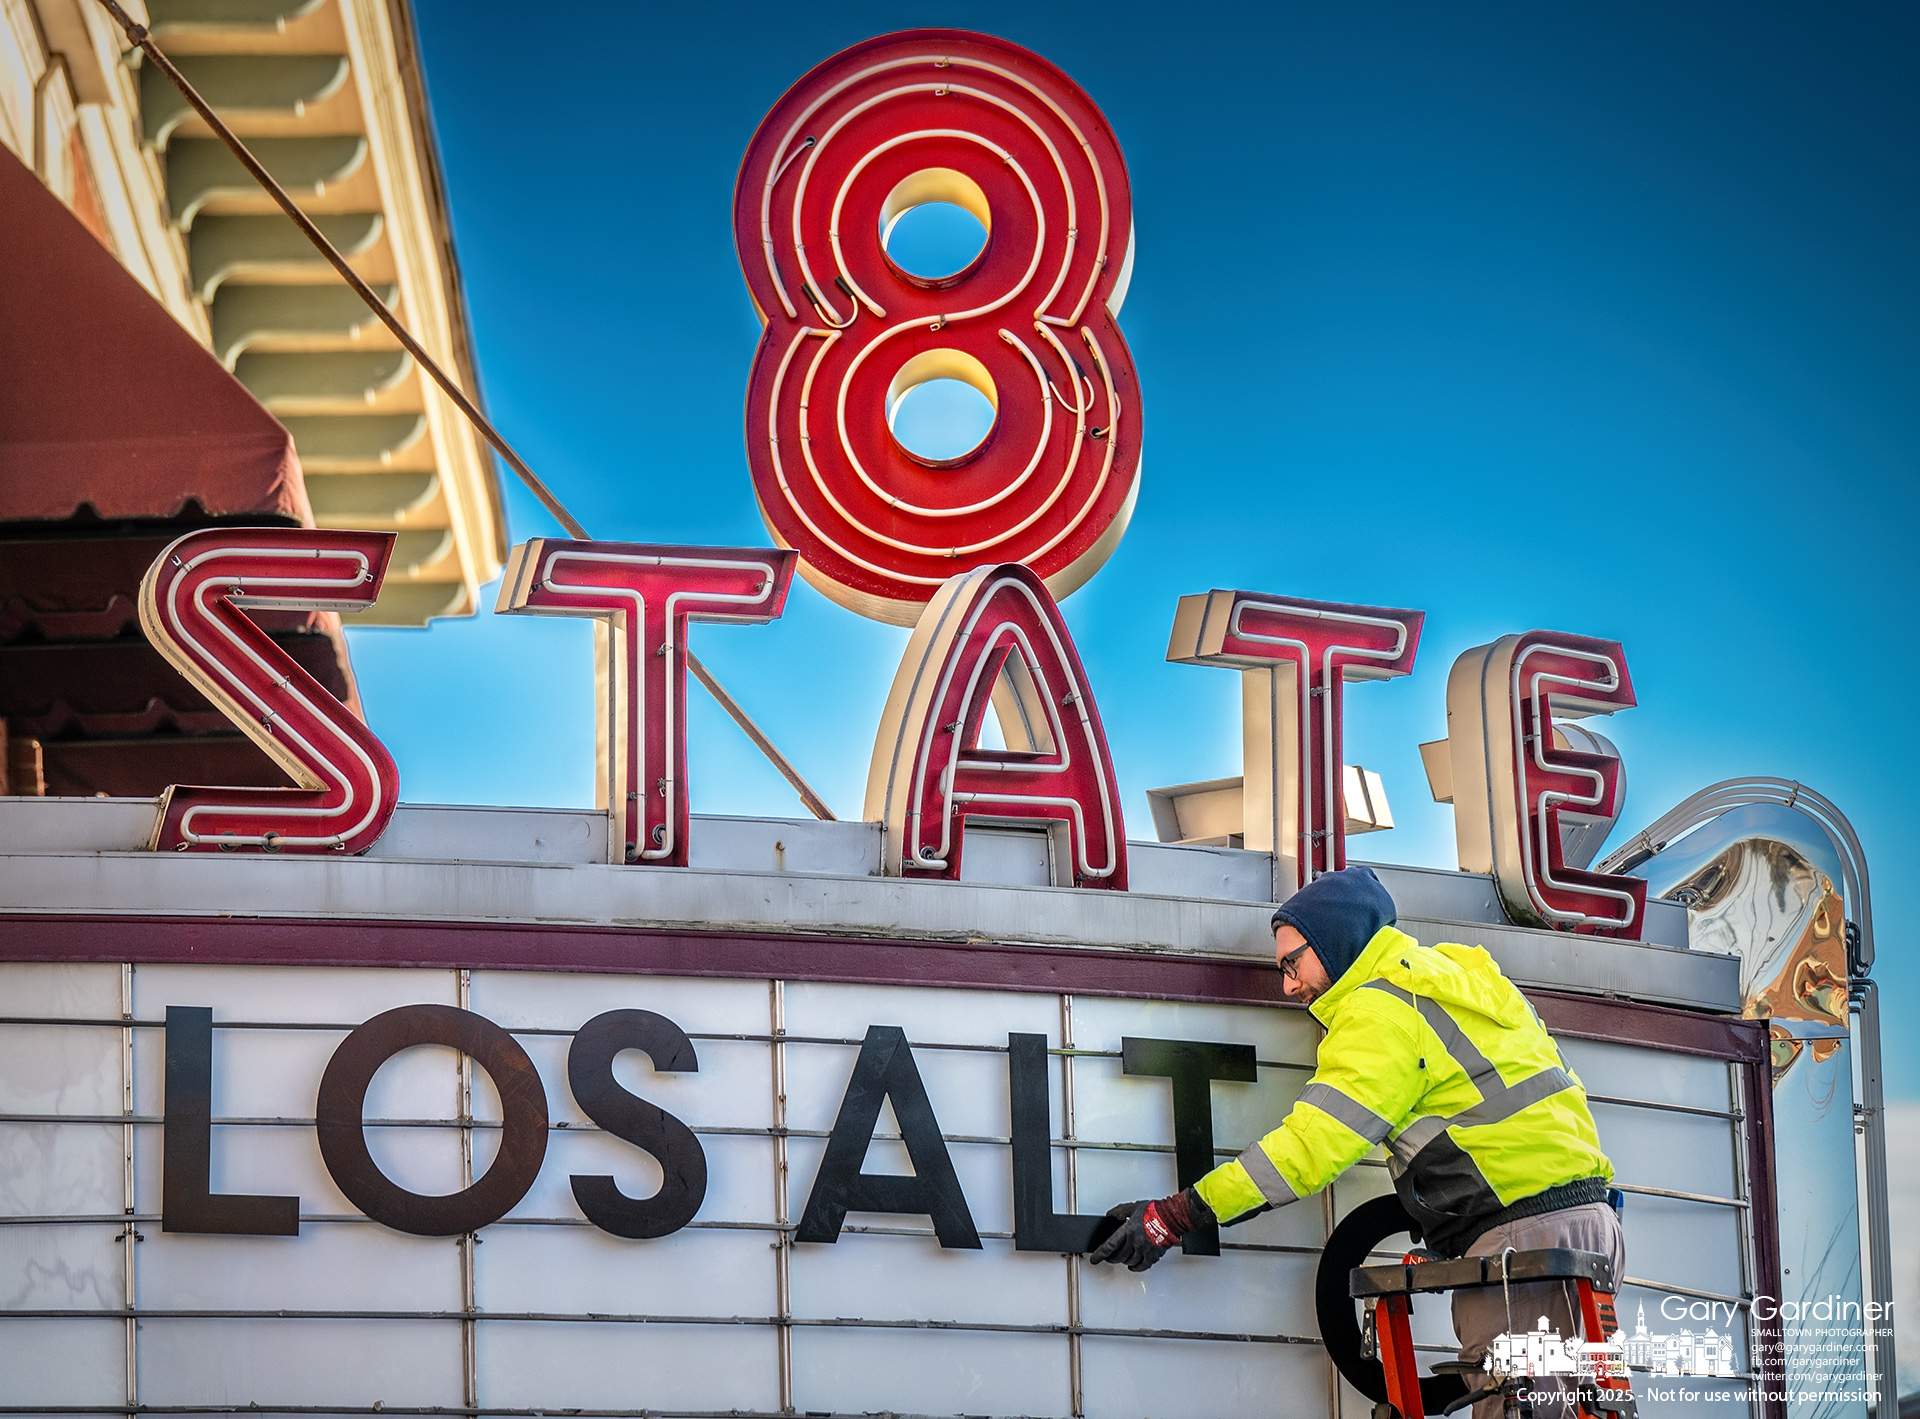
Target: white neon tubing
{"x":779,"y":465}
{"x":634,"y":633}
{"x":830,"y":315}
{"x":853,"y":458}
{"x":846,"y":185}
{"x":1106,"y":465}
{"x":820,"y":483}
{"x":940,"y":62}
{"x":923,"y":752}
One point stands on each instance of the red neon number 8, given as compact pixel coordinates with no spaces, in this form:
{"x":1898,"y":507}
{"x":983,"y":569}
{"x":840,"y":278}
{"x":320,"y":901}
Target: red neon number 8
{"x":938,"y":115}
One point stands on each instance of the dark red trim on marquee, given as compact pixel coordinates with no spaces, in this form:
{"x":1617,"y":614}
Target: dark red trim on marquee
{"x":1588,"y":1017}
{"x":284,"y":941}
{"x":977,"y":965}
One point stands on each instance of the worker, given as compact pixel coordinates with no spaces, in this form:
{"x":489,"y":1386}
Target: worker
{"x":1433,"y":1052}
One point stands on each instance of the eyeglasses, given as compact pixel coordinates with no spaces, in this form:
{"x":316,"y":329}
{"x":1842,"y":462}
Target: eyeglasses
{"x":1289,"y":964}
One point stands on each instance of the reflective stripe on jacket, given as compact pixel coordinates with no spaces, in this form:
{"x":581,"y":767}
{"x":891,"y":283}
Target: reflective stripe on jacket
{"x":1433,"y":1052}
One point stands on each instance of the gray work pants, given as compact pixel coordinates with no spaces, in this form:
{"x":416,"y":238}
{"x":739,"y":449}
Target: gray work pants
{"x":1480,"y":1315}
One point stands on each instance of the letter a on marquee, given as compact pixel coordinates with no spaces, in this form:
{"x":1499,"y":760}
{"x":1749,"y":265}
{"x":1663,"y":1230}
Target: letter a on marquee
{"x":646,"y":596}
{"x":994,"y":634}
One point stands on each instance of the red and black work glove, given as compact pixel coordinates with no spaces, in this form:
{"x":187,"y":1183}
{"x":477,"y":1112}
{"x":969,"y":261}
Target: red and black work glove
{"x":1148,"y":1230}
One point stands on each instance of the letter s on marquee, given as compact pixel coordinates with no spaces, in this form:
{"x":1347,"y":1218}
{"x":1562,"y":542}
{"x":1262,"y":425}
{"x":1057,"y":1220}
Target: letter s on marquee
{"x":602,"y":1098}
{"x":890,"y":124}
{"x":646,"y":595}
{"x":994,"y":634}
{"x":190,"y":609}
{"x":1512,"y":782}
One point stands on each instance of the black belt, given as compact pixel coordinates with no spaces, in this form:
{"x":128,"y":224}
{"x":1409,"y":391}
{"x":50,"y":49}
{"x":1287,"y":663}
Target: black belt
{"x":1578,"y":1193}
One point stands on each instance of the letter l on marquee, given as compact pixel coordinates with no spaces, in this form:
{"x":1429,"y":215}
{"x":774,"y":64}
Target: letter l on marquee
{"x":645,"y":595}
{"x":994,"y":633}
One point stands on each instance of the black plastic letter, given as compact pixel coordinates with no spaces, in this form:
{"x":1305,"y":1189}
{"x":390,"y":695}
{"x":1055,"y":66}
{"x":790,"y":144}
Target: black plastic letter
{"x":1036,"y":1226}
{"x":343,"y":1137}
{"x":683,"y":1163}
{"x":187,"y":1203}
{"x":1192,"y":1068}
{"x":885,"y":1070}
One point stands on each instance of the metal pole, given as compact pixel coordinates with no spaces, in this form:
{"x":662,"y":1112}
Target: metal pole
{"x":129,"y":1183}
{"x":816,"y":805}
{"x":1742,"y":1174}
{"x":783,"y":1236}
{"x":469,"y":1287}
{"x":1075,"y":1376}
{"x":1871,"y":1116}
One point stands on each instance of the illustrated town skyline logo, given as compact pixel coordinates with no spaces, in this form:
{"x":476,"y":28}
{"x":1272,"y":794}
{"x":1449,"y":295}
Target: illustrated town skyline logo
{"x":1544,"y":1351}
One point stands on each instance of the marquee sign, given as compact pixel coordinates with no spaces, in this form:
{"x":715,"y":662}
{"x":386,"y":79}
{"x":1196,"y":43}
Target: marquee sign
{"x":974,"y":551}
{"x":885,"y":1074}
{"x":990,"y":638}
{"x":905,"y":119}
{"x":514,"y":1130}
{"x":620,"y":1171}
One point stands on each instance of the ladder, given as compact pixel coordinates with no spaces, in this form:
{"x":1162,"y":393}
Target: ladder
{"x":1387,"y":1293}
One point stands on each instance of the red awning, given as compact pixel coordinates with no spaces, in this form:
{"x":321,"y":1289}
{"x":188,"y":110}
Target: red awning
{"x":109,"y":403}
{"x":118,"y":432}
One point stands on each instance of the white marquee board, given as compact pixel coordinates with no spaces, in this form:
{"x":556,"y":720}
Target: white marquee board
{"x":549,"y":1315}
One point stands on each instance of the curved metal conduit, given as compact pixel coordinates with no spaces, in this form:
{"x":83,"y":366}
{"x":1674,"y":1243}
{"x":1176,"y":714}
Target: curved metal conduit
{"x":1862,"y":996}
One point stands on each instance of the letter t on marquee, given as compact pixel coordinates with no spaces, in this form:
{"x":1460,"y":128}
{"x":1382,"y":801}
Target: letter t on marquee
{"x":646,"y":596}
{"x":1294,"y":656}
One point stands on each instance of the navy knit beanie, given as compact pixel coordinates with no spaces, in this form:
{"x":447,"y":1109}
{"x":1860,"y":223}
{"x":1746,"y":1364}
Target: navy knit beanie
{"x":1339,"y":913}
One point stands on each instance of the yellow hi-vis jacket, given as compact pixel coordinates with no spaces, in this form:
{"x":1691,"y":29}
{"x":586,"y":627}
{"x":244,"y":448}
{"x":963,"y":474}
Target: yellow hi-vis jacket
{"x":1430,"y":1050}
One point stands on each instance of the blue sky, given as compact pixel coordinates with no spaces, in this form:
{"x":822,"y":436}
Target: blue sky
{"x":1597,"y":318}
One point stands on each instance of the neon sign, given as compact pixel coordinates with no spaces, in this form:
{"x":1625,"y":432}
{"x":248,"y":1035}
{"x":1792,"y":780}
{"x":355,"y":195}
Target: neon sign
{"x":938,"y":115}
{"x":994,"y":635}
{"x":1513,"y":784}
{"x":191,"y":602}
{"x":1292,"y":655}
{"x":645,"y":596}
{"x":974,"y":551}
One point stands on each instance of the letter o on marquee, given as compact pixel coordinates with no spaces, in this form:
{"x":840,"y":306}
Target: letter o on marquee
{"x":343,"y":1139}
{"x":191,"y":608}
{"x":890,"y":124}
